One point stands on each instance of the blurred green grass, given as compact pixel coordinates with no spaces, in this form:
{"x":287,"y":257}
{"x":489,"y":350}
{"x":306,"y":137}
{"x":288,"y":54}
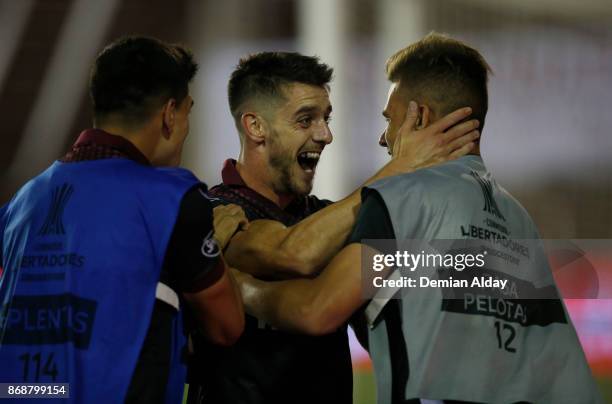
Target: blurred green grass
{"x":605,"y":386}
{"x":364,"y":387}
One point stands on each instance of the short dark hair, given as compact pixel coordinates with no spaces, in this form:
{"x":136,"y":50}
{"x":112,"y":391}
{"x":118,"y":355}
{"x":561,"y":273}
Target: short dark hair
{"x":134,"y":75}
{"x":443,"y":71}
{"x":264,"y":74}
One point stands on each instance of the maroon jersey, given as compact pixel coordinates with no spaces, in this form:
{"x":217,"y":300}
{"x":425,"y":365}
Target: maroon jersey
{"x":267,"y":365}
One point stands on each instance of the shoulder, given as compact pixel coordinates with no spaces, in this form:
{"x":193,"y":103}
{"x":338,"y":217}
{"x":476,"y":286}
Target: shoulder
{"x":222,"y":194}
{"x":161,"y":181}
{"x":155,"y":189}
{"x":431,"y":189}
{"x":518,"y":212}
{"x":174,"y":175}
{"x":403,"y":185}
{"x":32,"y":190}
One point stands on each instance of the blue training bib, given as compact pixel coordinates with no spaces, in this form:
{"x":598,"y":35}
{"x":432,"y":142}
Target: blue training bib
{"x":83,"y":249}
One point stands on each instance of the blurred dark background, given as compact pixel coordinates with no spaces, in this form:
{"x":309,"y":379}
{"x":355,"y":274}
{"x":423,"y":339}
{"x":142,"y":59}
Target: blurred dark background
{"x":548,"y":133}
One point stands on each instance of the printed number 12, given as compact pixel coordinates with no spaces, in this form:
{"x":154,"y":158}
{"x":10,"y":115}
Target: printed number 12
{"x":509,"y":337}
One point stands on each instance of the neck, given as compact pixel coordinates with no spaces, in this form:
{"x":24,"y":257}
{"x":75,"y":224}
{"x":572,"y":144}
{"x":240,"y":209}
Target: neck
{"x":256,"y":175}
{"x":138,"y":138}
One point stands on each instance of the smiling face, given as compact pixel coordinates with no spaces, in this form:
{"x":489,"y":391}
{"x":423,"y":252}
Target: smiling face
{"x":299,"y":131}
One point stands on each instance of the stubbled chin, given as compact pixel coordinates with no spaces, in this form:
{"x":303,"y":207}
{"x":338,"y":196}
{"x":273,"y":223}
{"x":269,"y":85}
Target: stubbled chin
{"x":303,"y":182}
{"x":305,"y":189}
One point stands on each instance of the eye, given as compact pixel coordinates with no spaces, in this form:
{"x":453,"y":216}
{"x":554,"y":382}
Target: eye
{"x":328,"y":119}
{"x":305,"y":121}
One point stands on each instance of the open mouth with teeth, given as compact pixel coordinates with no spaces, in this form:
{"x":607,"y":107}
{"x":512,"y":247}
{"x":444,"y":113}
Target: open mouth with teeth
{"x":308,"y":160}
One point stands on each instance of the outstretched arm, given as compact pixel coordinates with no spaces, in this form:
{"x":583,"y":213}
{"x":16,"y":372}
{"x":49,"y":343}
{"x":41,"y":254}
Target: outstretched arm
{"x":311,"y":306}
{"x":320,"y":305}
{"x":268,"y":248}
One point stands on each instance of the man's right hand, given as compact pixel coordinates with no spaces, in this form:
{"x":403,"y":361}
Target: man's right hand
{"x":228,"y":219}
{"x":443,"y":140}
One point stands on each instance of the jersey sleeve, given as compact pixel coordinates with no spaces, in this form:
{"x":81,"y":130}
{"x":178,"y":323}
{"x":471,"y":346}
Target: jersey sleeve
{"x":193,"y":259}
{"x":315,"y":204}
{"x":373,"y":221}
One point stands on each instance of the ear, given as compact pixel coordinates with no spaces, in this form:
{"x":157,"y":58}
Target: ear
{"x":254,"y":127}
{"x":424,"y":118}
{"x":168,"y":117}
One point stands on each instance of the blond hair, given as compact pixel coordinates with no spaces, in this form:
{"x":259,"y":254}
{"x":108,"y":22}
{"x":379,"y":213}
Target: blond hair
{"x":442,"y":72}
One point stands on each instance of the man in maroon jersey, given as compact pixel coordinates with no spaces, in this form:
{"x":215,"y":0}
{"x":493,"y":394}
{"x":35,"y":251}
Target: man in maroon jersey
{"x":280,"y":103}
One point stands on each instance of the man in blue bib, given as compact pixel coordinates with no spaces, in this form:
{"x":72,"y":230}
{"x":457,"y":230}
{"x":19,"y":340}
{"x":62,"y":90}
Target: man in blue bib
{"x":101,"y":250}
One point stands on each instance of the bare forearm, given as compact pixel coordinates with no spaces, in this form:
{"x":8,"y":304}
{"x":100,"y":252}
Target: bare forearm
{"x":269,"y":249}
{"x":273,"y":303}
{"x":219,"y":310}
{"x":311,"y":306}
{"x":316,"y":239}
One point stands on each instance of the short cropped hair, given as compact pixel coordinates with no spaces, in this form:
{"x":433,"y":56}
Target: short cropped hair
{"x":264,"y":74}
{"x":135,"y":75}
{"x":442,"y":71}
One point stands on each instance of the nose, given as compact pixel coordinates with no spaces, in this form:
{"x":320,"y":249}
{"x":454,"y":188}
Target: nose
{"x":323,"y":135}
{"x":382,"y":141}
